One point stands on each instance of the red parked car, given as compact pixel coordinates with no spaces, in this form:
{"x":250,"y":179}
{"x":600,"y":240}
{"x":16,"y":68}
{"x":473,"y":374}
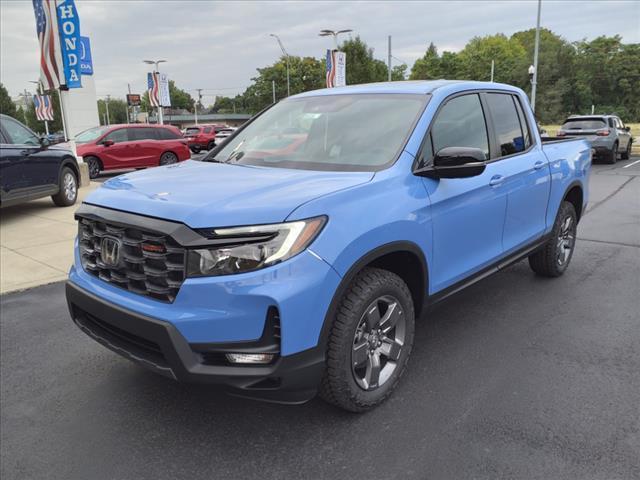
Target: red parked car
{"x":131,"y":146}
{"x":202,"y":137}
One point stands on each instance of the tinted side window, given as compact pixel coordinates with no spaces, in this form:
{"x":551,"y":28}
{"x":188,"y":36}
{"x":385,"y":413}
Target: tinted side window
{"x":19,"y":134}
{"x":207,"y":130}
{"x":523,"y":123}
{"x":166,"y":134}
{"x":506,"y":123}
{"x":460,"y":123}
{"x":611,"y":122}
{"x":142,"y":134}
{"x":118,"y":136}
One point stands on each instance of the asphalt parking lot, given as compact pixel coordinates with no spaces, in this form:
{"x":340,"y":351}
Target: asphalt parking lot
{"x":516,"y":377}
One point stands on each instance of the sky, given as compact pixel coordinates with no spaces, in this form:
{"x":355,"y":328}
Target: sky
{"x":217,"y":45}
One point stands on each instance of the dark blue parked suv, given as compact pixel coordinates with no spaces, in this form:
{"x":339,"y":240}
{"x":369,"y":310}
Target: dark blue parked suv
{"x":296,"y":258}
{"x":30,"y":168}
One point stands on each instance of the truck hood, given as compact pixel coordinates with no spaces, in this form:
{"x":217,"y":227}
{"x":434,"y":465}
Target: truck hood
{"x":202,"y":194}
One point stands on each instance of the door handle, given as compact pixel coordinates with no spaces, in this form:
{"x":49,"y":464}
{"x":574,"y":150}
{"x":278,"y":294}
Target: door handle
{"x":496,"y":180}
{"x":538,"y":165}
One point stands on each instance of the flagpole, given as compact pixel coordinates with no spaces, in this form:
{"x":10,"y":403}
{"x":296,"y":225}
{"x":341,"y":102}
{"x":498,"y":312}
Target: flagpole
{"x":62,"y":116}
{"x":46,"y":124}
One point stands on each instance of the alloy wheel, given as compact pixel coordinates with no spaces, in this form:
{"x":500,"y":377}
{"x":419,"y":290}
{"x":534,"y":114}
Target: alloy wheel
{"x":566,"y":240}
{"x":69,"y":185}
{"x":168,"y":158}
{"x":378,"y":343}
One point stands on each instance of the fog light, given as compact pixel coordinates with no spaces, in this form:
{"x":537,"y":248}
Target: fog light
{"x":250,"y":357}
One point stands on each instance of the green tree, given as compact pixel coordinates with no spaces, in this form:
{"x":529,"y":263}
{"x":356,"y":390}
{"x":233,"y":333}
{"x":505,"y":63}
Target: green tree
{"x":118,"y":111}
{"x":508,"y":54}
{"x":429,"y":66}
{"x":7,"y":107}
{"x":361,"y":66}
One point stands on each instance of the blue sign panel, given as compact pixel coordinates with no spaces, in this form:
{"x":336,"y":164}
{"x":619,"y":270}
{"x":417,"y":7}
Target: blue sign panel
{"x":69,"y":29}
{"x":86,"y":63}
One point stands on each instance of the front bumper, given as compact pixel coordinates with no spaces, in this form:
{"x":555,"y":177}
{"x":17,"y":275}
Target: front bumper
{"x":159,"y":346}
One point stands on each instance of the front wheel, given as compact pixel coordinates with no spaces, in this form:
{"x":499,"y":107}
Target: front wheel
{"x":68,"y":190}
{"x":93,"y":165}
{"x":370,"y":341}
{"x":554,"y":257}
{"x":168,"y":158}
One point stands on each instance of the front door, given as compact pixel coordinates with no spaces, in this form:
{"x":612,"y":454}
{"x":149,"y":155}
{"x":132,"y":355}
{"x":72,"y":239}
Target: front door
{"x":467,"y":213}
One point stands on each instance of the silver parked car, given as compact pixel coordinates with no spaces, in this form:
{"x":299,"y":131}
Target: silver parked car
{"x":608,"y":136}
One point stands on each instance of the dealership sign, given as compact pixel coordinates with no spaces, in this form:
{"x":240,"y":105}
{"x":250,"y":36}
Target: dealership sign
{"x":86,"y":63}
{"x":70,"y":45}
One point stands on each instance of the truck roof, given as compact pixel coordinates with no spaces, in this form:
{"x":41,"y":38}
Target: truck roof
{"x":409,"y":86}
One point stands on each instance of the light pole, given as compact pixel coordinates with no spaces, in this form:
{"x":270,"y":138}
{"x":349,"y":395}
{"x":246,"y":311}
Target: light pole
{"x":334,"y":33}
{"x":106,"y":105}
{"x":195,"y":108}
{"x":157,"y":72}
{"x":534,"y":78}
{"x":287,"y":58}
{"x":46,"y":124}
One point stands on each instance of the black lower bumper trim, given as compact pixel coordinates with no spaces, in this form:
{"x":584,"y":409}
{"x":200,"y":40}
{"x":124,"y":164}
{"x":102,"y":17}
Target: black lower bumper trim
{"x":158,"y":346}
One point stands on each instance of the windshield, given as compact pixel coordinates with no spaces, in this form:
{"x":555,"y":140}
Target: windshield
{"x":329,"y":132}
{"x":91,"y":134}
{"x":584,"y":124}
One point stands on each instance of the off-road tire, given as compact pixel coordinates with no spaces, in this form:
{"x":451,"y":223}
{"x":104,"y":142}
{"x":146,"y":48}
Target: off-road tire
{"x":338,"y":385}
{"x":544,"y":262}
{"x":68,"y":189}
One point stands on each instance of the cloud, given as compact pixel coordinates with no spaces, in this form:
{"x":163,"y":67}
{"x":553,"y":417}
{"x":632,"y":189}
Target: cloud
{"x":218,"y":45}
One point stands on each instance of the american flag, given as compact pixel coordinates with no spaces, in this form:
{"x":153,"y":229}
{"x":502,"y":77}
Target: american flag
{"x":331,"y":68}
{"x":51,"y":67}
{"x":44,"y":109}
{"x":153,"y":87}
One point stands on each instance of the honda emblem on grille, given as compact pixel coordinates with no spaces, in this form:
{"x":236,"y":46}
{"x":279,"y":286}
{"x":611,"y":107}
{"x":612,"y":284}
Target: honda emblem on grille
{"x":110,"y":251}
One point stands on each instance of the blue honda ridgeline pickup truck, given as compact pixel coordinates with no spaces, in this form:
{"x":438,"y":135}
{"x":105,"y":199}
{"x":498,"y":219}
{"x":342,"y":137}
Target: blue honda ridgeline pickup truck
{"x":296,"y":257}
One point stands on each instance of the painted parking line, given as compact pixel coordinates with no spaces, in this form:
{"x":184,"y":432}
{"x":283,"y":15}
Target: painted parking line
{"x":631,"y":164}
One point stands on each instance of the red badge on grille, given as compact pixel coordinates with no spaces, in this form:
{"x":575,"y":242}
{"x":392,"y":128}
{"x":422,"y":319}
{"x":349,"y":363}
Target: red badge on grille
{"x":148,"y":247}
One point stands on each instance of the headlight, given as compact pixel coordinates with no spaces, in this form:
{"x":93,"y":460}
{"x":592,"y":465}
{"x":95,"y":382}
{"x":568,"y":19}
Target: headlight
{"x":265,"y":245}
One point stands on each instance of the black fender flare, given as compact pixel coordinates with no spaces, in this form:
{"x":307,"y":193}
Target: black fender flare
{"x":70,"y":162}
{"x":362,"y":262}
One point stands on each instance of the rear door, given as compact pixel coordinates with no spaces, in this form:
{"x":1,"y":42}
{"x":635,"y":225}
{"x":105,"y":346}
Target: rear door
{"x":524,"y":171}
{"x":148,"y":147}
{"x":467,"y":213}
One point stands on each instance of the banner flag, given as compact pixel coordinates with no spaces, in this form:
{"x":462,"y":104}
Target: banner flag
{"x":69,"y":28}
{"x":43,"y":107}
{"x":86,"y":62}
{"x":165,"y":98}
{"x":336,"y":75}
{"x":52,"y":73}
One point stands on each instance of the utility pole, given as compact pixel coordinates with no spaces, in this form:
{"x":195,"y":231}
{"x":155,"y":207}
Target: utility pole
{"x":195,"y":109}
{"x":389,"y":59}
{"x":534,"y":81}
{"x":493,"y":64}
{"x":106,"y":104}
{"x":26,"y":97}
{"x":273,"y":90}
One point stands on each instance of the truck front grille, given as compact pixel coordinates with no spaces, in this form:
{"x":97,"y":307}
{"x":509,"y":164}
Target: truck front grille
{"x":146,"y":263}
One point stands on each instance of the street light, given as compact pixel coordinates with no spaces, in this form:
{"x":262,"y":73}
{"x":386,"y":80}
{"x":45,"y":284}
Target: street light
{"x":287,"y":57}
{"x":334,"y":33}
{"x":157,"y":70}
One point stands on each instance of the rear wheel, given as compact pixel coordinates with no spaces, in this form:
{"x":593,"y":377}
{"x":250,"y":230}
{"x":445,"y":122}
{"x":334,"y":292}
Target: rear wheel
{"x":553,"y":259}
{"x":94,"y":166}
{"x":211,"y":145}
{"x":370,"y":341}
{"x":68,"y":192}
{"x":168,"y":158}
{"x":195,"y":149}
{"x":626,"y":155}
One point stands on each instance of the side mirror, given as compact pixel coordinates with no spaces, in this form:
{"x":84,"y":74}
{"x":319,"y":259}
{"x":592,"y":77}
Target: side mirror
{"x":455,"y":162}
{"x":107,"y":143}
{"x":627,"y":129}
{"x":44,"y":142}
